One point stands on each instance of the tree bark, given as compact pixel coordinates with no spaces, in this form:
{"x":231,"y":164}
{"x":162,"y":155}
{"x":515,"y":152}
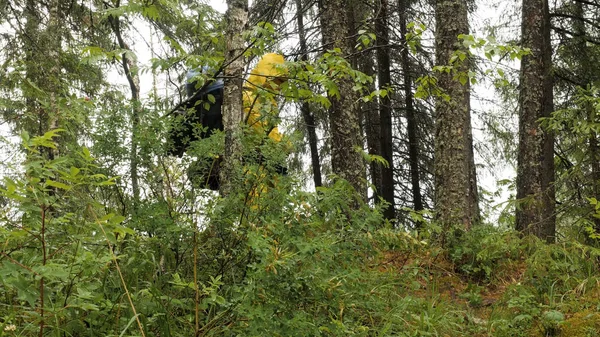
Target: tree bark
{"x":535,"y":168}
{"x":130,"y":68}
{"x":372,"y":124}
{"x":33,"y":66}
{"x":346,"y":160}
{"x":411,"y":121}
{"x":454,"y":169}
{"x":233,"y":112}
{"x":309,"y":119}
{"x":362,"y":18}
{"x":385,"y":107}
{"x":584,"y":68}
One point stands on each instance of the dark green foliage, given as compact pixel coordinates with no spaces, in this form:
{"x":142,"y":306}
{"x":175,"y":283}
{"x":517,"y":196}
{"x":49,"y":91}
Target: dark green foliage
{"x":287,"y":263}
{"x":483,"y":252}
{"x":558,"y":280}
{"x":307,"y":277}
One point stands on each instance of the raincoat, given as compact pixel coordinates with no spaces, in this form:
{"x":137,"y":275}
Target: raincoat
{"x":260,"y":113}
{"x":260,"y":107}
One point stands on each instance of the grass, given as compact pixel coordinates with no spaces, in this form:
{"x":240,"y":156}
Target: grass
{"x":533,"y":290}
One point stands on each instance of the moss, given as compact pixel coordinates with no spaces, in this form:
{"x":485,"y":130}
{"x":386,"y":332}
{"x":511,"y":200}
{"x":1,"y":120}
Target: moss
{"x":585,"y":323}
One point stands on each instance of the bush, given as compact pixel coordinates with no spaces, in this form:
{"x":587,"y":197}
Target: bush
{"x":484,"y":251}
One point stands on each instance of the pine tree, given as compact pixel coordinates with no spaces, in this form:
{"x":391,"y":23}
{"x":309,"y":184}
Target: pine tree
{"x":385,"y":107}
{"x":455,"y":180}
{"x":346,"y":139}
{"x":535,"y":168}
{"x":411,"y":118}
{"x":307,"y":114}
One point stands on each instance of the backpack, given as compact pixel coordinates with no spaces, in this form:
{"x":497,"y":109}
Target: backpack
{"x":198,"y":119}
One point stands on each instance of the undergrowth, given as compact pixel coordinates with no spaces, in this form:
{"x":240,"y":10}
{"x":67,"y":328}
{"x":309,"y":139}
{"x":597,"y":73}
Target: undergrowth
{"x":268,"y":260}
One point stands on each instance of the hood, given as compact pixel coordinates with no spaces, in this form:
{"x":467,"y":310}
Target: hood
{"x":269,"y":67}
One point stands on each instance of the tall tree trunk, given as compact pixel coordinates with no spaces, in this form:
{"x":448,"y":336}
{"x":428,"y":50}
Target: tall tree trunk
{"x":535,"y":169}
{"x":372,"y":124}
{"x":130,"y":68}
{"x":584,"y":68}
{"x":33,"y":64}
{"x":455,"y":183}
{"x":54,"y":41}
{"x":411,"y":121}
{"x":309,"y":119}
{"x":233,"y":112}
{"x":594,"y":162}
{"x":362,"y":18}
{"x":385,"y":107}
{"x":42,"y":56}
{"x":344,"y":120}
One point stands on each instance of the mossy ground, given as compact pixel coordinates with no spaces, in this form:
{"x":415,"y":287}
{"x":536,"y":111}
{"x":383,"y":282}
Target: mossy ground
{"x":536,"y":290}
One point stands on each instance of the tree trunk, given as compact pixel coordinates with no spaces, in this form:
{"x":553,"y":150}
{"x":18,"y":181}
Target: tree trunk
{"x":584,"y":68}
{"x":411,"y":121}
{"x":42,"y":55}
{"x":362,"y":18}
{"x":535,"y":169}
{"x":33,"y":64}
{"x":385,"y":107}
{"x":372,"y":124}
{"x":346,"y":160}
{"x":130,"y":68}
{"x":309,"y":119}
{"x":54,"y":40}
{"x":233,"y":112}
{"x":455,"y":182}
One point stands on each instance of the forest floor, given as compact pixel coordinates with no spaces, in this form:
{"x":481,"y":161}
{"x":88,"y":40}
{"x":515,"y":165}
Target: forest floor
{"x":517,"y":297}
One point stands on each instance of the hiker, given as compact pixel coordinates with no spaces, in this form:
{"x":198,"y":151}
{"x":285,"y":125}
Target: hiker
{"x":202,"y":115}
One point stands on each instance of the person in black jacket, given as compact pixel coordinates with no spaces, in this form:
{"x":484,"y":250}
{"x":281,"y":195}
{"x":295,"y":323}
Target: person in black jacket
{"x":201,"y":116}
{"x":198,"y":111}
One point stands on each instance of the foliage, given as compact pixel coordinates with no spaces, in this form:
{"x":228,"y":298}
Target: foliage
{"x":485,"y":251}
{"x":81,"y":256}
{"x":285,"y":263}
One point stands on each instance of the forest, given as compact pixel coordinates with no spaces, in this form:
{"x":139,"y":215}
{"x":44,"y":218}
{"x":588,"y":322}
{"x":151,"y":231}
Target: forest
{"x":299,"y":168}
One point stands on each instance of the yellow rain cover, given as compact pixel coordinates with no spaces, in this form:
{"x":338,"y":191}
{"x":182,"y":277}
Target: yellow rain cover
{"x":260,"y":107}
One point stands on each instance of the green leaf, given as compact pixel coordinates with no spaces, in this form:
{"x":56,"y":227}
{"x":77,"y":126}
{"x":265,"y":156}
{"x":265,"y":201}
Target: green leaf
{"x":74,"y":171}
{"x":151,"y":12}
{"x":106,"y":217}
{"x":554,"y":316}
{"x":117,"y":219}
{"x":58,"y":185}
{"x":53,"y":271}
{"x":89,"y":307}
{"x":211,"y":98}
{"x":86,"y":154}
{"x":128,"y":325}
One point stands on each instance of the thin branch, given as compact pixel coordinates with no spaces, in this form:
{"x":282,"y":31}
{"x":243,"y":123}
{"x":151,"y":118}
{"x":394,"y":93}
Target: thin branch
{"x":569,"y":16}
{"x":19,"y":263}
{"x":585,"y":2}
{"x":585,"y":37}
